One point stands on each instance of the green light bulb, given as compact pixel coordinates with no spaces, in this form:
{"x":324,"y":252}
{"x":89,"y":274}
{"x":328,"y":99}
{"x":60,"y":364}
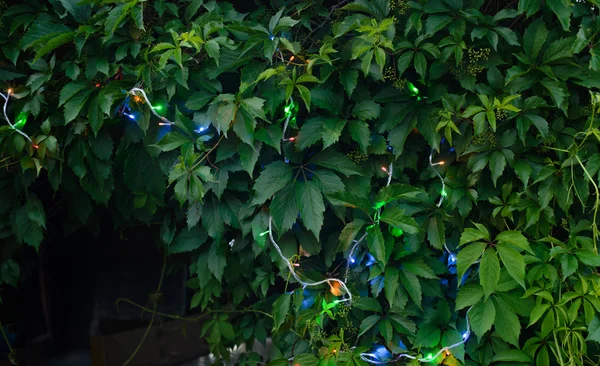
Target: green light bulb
{"x":444,"y":193}
{"x":158,"y":108}
{"x":429,"y":356}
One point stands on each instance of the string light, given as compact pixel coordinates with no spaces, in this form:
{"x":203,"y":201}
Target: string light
{"x":376,"y":360}
{"x":6,"y":98}
{"x":134,"y":91}
{"x":305,"y":284}
{"x":443,"y":192}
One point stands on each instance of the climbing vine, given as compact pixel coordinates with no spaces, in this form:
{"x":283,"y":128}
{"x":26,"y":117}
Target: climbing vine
{"x":363,"y":182}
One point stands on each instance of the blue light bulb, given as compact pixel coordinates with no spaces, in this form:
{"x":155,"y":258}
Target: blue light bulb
{"x":452,"y":258}
{"x":287,"y":161}
{"x":451,"y":149}
{"x":272,"y":37}
{"x":130,"y":116}
{"x":465,"y":335}
{"x":200,"y":129}
{"x":352,"y":260}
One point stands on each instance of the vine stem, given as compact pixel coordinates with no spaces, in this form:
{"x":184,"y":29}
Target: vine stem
{"x":155,"y":300}
{"x":178,"y":317}
{"x":5,"y":338}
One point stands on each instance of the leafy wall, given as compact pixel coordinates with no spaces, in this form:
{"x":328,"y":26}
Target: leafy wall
{"x":442,"y":156}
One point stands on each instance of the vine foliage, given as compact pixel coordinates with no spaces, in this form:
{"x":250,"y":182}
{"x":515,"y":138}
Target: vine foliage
{"x":294,"y":111}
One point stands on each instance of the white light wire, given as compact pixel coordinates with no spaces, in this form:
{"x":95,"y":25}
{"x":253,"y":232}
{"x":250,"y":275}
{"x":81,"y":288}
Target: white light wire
{"x":295,"y":275}
{"x":439,"y":204}
{"x":164,"y":120}
{"x":6,"y":97}
{"x":373,"y":359}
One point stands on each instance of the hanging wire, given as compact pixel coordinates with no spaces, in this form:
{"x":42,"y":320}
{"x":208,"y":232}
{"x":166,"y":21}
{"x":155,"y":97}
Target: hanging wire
{"x":374,"y":359}
{"x":6,"y":98}
{"x":165,"y":121}
{"x":432,"y":164}
{"x":295,"y":275}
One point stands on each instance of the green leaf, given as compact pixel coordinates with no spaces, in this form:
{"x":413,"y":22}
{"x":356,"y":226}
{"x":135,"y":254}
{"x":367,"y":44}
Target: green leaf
{"x":497,"y":165}
{"x":523,"y":171}
{"x":514,"y":263}
{"x":529,"y":7}
{"x":198,"y":100}
{"x":349,"y":80}
{"x":568,"y":264}
{"x":327,"y":181}
{"x":368,"y":304}
{"x":218,"y":261}
{"x":418,"y":267}
{"x":349,"y":233}
{"x":507,"y":323}
{"x":537,"y":313}
{"x":284,"y":209}
{"x":437,"y":22}
{"x":397,"y":218}
{"x":10,"y":272}
{"x":275,"y":176}
{"x":53,"y":44}
{"x":397,"y":191}
{"x":508,"y":35}
{"x":310,"y":132}
{"x":376,"y":244}
{"x":489,"y":271}
{"x":171,"y":141}
{"x":469,"y":235}
{"x":305,"y":95}
{"x":281,"y":309}
{"x":468,"y":295}
{"x":412,"y":285}
{"x":420,"y":64}
{"x":115,"y":18}
{"x":75,"y":104}
{"x":514,"y":239}
{"x":336,"y":161}
{"x":95,"y":116}
{"x":249,"y":156}
{"x":404,"y":61}
{"x":594,"y":330}
{"x":391,"y":281}
{"x":482,"y":317}
{"x":332,"y":130}
{"x":359,"y":130}
{"x":368,"y":323}
{"x":534,"y":38}
{"x":310,"y":203}
{"x":366,"y":110}
{"x":188,"y":240}
{"x":511,"y":355}
{"x":70,"y":90}
{"x":467,"y":256}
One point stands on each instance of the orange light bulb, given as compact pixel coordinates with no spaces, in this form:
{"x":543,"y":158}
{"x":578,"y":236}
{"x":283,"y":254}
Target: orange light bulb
{"x":292,"y":139}
{"x":10,"y":91}
{"x":384,"y":169}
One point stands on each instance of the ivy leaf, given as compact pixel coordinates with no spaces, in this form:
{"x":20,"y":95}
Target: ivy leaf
{"x":468,"y":295}
{"x":404,"y":61}
{"x":390,"y":284}
{"x":482,"y":317}
{"x":376,"y":244}
{"x":198,"y":100}
{"x":349,"y":80}
{"x":470,"y":235}
{"x":594,"y":330}
{"x":436,"y":232}
{"x":217,"y":262}
{"x":412,"y":285}
{"x":489,"y":271}
{"x":514,"y":263}
{"x":95,"y":116}
{"x":336,"y":161}
{"x":568,"y":264}
{"x":420,"y":64}
{"x":188,"y":240}
{"x":366,"y":110}
{"x":332,"y":129}
{"x":327,"y":181}
{"x":368,"y":323}
{"x":310,"y":132}
{"x":511,"y":355}
{"x":507,"y":322}
{"x":249,"y":156}
{"x":284,"y":209}
{"x":395,"y":192}
{"x":397,"y":218}
{"x":467,"y":256}
{"x":497,"y":165}
{"x":171,"y":141}
{"x":310,"y":203}
{"x":359,"y":130}
{"x":275,"y":176}
{"x":281,"y":309}
{"x":514,"y":239}
{"x":349,"y":233}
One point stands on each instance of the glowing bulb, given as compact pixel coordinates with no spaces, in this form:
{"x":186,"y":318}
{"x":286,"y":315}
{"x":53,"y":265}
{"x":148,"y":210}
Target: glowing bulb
{"x":465,"y":335}
{"x":272,"y":38}
{"x":131,"y":116}
{"x":97,"y":85}
{"x":447,"y":353}
{"x":452,"y":258}
{"x":296,"y":264}
{"x":451,"y":149}
{"x":263,"y":234}
{"x":165,"y":123}
{"x":292,"y":58}
{"x":287,"y":161}
{"x":35,"y":146}
{"x":158,"y":108}
{"x":200,"y":129}
{"x":429,"y":357}
{"x":384,"y":169}
{"x":444,"y":193}
{"x":10,"y":91}
{"x":352,"y":260}
{"x":441,"y":163}
{"x":292,"y":139}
